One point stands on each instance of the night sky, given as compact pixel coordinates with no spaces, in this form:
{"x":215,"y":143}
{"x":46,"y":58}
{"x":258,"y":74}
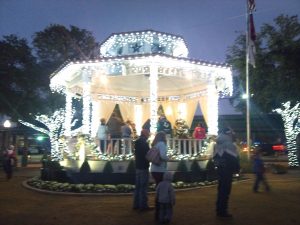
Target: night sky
{"x":208,"y":26}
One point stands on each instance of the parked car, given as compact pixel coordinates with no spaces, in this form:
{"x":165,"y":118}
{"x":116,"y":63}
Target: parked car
{"x":33,"y":150}
{"x":269,"y":149}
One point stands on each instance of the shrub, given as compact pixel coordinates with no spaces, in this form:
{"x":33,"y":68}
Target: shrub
{"x":195,"y":168}
{"x":52,"y":165}
{"x":108,"y":167}
{"x":85,"y":167}
{"x":182,"y":166}
{"x":131,"y":167}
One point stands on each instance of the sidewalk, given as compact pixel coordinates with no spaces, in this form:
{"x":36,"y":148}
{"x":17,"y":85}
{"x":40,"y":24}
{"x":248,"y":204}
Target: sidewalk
{"x":281,"y":206}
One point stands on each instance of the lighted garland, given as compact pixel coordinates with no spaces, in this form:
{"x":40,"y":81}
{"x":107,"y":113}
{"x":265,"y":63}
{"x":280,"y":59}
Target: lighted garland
{"x":290,"y":115}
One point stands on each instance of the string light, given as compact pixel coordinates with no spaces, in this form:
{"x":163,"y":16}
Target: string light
{"x":153,"y":78}
{"x":143,"y":42}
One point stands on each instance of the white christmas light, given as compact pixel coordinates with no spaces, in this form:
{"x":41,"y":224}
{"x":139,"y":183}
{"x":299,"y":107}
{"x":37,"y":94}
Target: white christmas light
{"x":212,"y":110}
{"x":55,"y":125}
{"x":143,"y":43}
{"x":153,"y":98}
{"x":86,"y":120}
{"x":69,"y":114}
{"x":289,"y":116}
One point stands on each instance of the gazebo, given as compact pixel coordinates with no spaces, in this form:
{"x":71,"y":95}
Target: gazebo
{"x":140,"y":71}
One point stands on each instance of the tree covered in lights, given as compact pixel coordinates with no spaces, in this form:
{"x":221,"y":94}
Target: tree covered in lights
{"x":54,"y":129}
{"x":291,"y":118}
{"x":275,"y":81}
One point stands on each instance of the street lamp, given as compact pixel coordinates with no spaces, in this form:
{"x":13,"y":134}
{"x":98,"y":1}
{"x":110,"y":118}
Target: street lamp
{"x":7,"y":124}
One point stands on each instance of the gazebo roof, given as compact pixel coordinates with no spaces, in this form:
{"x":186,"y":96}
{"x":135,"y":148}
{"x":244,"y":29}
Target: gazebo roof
{"x":126,"y":73}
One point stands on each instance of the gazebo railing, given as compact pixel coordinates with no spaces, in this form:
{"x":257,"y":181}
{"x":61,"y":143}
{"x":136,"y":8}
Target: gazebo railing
{"x":124,"y":146}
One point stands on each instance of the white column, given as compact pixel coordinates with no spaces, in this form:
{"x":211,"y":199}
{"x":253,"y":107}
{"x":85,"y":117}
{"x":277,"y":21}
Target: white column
{"x":138,"y":118}
{"x":68,"y":114}
{"x":86,"y":98}
{"x":212,"y":109}
{"x":95,"y":118}
{"x":153,"y":97}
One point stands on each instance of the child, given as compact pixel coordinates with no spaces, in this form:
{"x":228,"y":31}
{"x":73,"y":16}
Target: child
{"x":165,"y":198}
{"x":259,"y":170}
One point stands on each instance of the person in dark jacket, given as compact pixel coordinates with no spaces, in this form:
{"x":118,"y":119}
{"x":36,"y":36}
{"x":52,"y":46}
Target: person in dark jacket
{"x":140,"y":201}
{"x":227,"y":162}
{"x":259,"y":171}
{"x":164,"y":125}
{"x":114,"y":125}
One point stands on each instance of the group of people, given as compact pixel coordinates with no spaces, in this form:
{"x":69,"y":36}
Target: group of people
{"x":165,"y":195}
{"x":112,"y":130}
{"x":115,"y":129}
{"x":226,"y":158}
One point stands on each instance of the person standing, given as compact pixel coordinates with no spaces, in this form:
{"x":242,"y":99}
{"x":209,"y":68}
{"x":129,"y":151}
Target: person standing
{"x":147,"y":125}
{"x":160,"y":143}
{"x":226,"y":159}
{"x":164,"y":125}
{"x":157,"y":171}
{"x":9,"y":161}
{"x":199,"y":134}
{"x":140,"y":198}
{"x":165,"y":196}
{"x":102,"y":135}
{"x":114,"y":129}
{"x":127,"y":136}
{"x":259,"y":171}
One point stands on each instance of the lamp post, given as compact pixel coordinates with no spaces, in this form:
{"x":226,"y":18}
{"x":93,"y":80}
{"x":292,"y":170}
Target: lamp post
{"x":5,"y":133}
{"x":246,"y":96}
{"x":7,"y":124}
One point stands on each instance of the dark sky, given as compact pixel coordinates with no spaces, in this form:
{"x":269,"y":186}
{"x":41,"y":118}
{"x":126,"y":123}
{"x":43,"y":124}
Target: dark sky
{"x":208,"y":26}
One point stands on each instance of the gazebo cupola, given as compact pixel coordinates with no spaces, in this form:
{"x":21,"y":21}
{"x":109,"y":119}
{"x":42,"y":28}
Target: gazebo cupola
{"x":143,"y":42}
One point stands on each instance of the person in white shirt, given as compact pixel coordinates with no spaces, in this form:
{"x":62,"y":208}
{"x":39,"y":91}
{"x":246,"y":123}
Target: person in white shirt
{"x":102,"y":135}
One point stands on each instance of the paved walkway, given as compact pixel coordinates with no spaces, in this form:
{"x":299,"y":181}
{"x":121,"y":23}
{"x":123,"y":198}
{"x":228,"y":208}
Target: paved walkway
{"x":20,"y":206}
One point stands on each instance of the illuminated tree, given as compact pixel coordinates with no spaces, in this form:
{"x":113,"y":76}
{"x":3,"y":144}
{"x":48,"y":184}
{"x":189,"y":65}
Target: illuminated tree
{"x":54,"y":129}
{"x":291,"y":118}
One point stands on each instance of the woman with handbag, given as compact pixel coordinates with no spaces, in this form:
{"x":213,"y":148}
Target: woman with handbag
{"x":158,"y":170}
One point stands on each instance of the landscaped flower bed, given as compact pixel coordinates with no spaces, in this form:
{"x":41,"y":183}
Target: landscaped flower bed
{"x":103,"y":188}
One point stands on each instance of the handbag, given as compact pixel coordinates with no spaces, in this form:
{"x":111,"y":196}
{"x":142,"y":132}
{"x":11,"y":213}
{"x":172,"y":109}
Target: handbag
{"x":153,"y":156}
